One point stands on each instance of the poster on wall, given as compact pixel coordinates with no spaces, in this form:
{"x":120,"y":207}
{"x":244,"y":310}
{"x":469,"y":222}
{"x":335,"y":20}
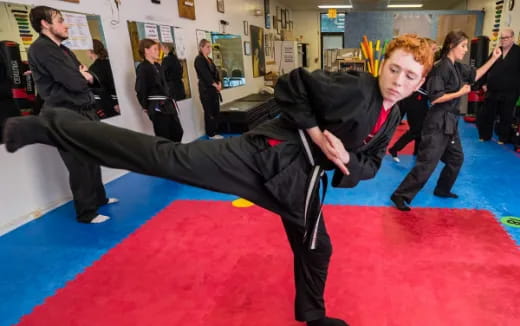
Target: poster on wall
{"x":257,"y":50}
{"x":220,"y":6}
{"x":79,"y":32}
{"x":420,"y":24}
{"x":150,"y":31}
{"x":15,"y":21}
{"x":166,"y":34}
{"x":187,"y":8}
{"x":180,"y":44}
{"x":171,"y":38}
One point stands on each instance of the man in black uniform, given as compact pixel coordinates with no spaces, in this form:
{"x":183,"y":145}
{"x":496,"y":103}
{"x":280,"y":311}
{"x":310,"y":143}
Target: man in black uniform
{"x":62,"y":81}
{"x":502,"y":86}
{"x":342,"y":121}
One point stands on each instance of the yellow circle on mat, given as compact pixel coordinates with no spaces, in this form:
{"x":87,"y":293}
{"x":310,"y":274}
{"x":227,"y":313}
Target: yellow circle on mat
{"x":241,"y":202}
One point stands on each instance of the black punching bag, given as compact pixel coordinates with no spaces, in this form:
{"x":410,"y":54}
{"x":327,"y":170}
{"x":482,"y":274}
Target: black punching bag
{"x":478,"y":55}
{"x":22,"y":87}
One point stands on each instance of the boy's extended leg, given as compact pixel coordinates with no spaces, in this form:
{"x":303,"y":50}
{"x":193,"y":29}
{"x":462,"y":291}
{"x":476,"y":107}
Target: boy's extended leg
{"x":226,"y":165}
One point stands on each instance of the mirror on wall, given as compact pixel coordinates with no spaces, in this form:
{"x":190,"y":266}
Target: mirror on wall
{"x":172,"y":40}
{"x":227,"y":54}
{"x":18,"y":93}
{"x":229,"y":59}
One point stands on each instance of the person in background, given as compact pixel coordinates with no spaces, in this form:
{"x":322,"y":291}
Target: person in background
{"x":62,"y":81}
{"x":153,"y":94}
{"x":448,"y":81}
{"x":101,"y":70}
{"x":502,"y":87}
{"x":415,"y":107}
{"x":209,"y":88}
{"x":173,"y":72}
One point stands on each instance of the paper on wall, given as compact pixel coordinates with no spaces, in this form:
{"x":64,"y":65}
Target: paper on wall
{"x":180,"y":46}
{"x":79,"y":32}
{"x":150,"y":31}
{"x":166,"y":34}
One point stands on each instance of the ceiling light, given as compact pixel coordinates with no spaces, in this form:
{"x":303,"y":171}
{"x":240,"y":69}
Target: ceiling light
{"x":411,"y":5}
{"x":335,"y":6}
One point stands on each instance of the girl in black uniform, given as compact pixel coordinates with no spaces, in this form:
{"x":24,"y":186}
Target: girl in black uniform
{"x":209,"y":88}
{"x":106,"y":93}
{"x":152,"y":93}
{"x":448,"y":81}
{"x":341,"y":120}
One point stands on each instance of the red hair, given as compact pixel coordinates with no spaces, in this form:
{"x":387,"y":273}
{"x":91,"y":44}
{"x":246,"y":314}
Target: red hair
{"x":417,"y":46}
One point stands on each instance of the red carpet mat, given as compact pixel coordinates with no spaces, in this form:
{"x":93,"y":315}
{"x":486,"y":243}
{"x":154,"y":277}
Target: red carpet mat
{"x":401,"y":129}
{"x":212,"y":264}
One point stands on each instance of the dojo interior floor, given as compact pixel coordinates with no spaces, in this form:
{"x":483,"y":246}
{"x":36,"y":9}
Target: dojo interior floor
{"x":177,"y":255}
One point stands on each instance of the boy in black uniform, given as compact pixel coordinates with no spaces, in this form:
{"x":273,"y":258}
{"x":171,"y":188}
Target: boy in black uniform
{"x":342,"y":121}
{"x":62,"y":81}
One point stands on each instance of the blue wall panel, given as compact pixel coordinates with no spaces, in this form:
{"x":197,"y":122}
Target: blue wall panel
{"x":378,"y":25}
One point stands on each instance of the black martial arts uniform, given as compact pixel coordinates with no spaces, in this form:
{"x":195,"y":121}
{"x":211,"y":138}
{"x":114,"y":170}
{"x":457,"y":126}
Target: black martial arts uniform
{"x":105,"y":94}
{"x":284,"y":178}
{"x":415,"y":107}
{"x":209,"y":96}
{"x":439,"y":138}
{"x":55,"y":70}
{"x":152,"y":93}
{"x":173,"y":71}
{"x":503,"y":89}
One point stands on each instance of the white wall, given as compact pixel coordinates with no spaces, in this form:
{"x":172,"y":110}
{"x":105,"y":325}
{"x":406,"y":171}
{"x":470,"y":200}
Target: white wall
{"x":34,"y":179}
{"x":307,"y":24}
{"x":509,"y":19}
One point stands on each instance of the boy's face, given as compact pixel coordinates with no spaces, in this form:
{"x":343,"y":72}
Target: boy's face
{"x":400,"y":76}
{"x":58,"y":28}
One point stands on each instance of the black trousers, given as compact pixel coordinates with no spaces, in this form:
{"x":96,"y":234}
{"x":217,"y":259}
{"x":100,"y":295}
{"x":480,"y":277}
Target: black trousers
{"x":274,"y":178}
{"x":85,"y":180}
{"x":211,"y":104}
{"x":435,"y":146}
{"x":167,"y":125}
{"x":405,"y":139}
{"x":504,"y":106}
{"x":415,"y":107}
